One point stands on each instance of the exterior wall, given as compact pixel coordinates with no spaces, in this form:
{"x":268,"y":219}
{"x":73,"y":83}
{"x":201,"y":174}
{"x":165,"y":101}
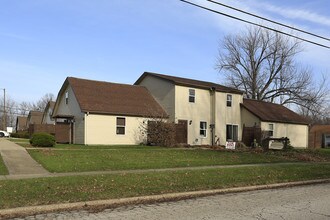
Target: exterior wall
{"x":227,"y":115}
{"x":195,"y":112}
{"x":101,"y":129}
{"x":163,"y":92}
{"x":316,"y":136}
{"x":298,"y":134}
{"x":47,"y":119}
{"x":72,"y":108}
{"x":249,"y":119}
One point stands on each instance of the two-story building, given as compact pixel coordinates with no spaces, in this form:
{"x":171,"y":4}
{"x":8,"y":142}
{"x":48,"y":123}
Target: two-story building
{"x":211,"y":112}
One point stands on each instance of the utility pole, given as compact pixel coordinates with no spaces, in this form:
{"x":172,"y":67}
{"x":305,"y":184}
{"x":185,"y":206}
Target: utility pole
{"x":4,"y":110}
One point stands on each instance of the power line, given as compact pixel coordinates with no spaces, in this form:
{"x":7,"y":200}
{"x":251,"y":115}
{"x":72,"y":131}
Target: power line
{"x":252,"y":23}
{"x":269,"y":20}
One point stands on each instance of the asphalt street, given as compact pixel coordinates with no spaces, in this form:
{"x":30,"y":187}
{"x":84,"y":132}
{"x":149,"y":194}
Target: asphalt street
{"x":303,"y":202}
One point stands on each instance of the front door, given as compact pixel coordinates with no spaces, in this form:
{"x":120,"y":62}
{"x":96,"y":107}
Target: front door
{"x":181,"y":132}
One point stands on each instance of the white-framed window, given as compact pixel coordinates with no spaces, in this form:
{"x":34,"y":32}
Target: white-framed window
{"x":231,"y":132}
{"x":192,"y":95}
{"x":66,"y":97}
{"x":202,"y":128}
{"x":229,"y":100}
{"x":271,"y":130}
{"x":120,"y":125}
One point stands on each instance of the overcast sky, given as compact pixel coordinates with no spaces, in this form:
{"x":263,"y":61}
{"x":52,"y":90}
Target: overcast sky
{"x":44,"y":41}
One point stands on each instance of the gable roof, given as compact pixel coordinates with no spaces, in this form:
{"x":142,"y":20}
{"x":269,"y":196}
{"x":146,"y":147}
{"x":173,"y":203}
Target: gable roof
{"x":113,"y":98}
{"x":21,"y":123}
{"x":271,"y":112}
{"x":35,"y":117}
{"x":189,"y":82}
{"x":50,"y":105}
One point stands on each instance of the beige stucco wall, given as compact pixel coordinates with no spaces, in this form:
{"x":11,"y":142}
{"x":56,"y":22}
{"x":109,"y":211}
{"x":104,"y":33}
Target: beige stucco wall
{"x":227,"y":115}
{"x":101,"y":129}
{"x":195,"y":112}
{"x":175,"y":100}
{"x":72,"y":108}
{"x":298,"y":134}
{"x":163,"y":91}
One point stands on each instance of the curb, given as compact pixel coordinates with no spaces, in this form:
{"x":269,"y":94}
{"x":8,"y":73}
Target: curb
{"x":99,"y":205}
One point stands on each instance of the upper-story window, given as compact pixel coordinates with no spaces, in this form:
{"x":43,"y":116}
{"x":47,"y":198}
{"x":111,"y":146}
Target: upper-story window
{"x":229,"y":100}
{"x":192,"y":95}
{"x":67,"y":97}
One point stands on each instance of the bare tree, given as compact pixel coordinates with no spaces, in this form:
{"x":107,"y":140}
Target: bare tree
{"x":41,"y":104}
{"x":23,"y":108}
{"x":10,"y":113}
{"x":262,"y":64}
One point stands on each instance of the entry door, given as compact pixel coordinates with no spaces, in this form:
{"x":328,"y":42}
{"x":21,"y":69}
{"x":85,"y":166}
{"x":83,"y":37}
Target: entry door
{"x":181,"y":132}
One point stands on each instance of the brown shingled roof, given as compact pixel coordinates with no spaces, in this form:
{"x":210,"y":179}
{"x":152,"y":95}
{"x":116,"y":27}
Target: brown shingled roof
{"x":271,"y":112}
{"x":190,"y":82}
{"x":21,"y":122}
{"x":35,"y":117}
{"x":112,"y":98}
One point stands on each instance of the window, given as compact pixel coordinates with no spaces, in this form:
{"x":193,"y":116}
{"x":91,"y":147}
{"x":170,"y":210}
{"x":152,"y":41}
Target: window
{"x":121,"y":123}
{"x":229,"y":100}
{"x":202,"y":128}
{"x":271,"y":130}
{"x":66,"y":97}
{"x":232,"y":132}
{"x":192,"y":95}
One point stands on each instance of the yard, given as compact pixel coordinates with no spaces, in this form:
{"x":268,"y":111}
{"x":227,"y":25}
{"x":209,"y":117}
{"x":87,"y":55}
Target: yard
{"x":3,"y":169}
{"x":17,"y":193}
{"x":80,"y":158}
{"x":77,"y":158}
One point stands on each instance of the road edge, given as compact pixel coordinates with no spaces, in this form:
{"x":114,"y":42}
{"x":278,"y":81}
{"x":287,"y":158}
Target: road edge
{"x":99,"y":205}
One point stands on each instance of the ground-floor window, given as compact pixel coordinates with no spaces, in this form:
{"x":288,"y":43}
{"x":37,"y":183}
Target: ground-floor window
{"x":202,"y":128}
{"x":232,"y":132}
{"x":120,"y":125}
{"x":271,"y":130}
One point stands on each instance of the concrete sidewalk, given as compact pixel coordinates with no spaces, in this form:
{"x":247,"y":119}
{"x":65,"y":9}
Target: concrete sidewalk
{"x":18,"y":161}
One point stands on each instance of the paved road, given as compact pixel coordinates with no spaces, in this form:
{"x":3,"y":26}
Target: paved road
{"x":304,"y":202}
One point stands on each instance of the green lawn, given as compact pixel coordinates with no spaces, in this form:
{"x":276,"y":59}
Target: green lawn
{"x":17,"y":193}
{"x":78,"y":158}
{"x":3,"y":168}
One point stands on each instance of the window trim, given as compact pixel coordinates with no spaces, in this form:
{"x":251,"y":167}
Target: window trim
{"x":67,"y":97}
{"x":192,"y":95}
{"x":229,"y":101}
{"x":271,"y":131}
{"x":203,"y":129}
{"x":120,"y":126}
{"x":232,"y":132}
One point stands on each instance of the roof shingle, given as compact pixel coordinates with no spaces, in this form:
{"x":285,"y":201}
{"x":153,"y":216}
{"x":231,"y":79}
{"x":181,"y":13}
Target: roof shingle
{"x":272,"y":112}
{"x":112,"y":98}
{"x":190,"y":82}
